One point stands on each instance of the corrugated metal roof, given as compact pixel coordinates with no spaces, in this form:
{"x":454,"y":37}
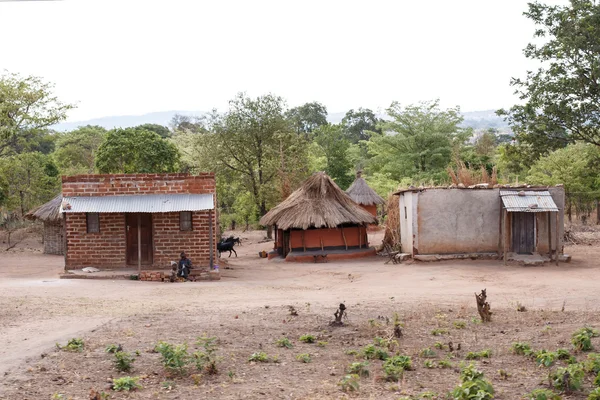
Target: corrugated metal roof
{"x":147,"y":203}
{"x":528,"y":201}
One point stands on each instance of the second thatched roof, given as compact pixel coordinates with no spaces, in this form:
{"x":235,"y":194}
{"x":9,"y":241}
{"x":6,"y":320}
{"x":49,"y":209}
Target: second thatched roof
{"x":318,"y":203}
{"x":47,"y":212}
{"x":362,"y":193}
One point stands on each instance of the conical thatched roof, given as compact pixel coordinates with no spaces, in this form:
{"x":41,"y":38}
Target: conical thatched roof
{"x":48,"y":212}
{"x":318,"y":203}
{"x":361,"y":193}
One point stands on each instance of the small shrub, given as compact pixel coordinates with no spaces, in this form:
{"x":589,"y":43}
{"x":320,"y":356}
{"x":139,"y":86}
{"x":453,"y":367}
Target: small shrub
{"x":378,"y":341}
{"x":479,"y":354}
{"x":597,"y":380}
{"x":284,"y":342}
{"x":307,"y":338}
{"x":174,"y":358}
{"x":503,"y":374}
{"x":126,"y":383}
{"x":359,"y":368}
{"x":521,"y":348}
{"x":350,"y":383}
{"x":439,"y":331}
{"x":592,"y":365}
{"x":259,"y":356}
{"x":545,"y":358}
{"x":594,"y":394}
{"x":123,"y":361}
{"x":394,"y":367}
{"x":429,"y":364}
{"x":113,"y":348}
{"x":168,"y":385}
{"x":459,"y":324}
{"x":206,"y":359}
{"x":427,"y":353}
{"x":563,"y":354}
{"x":352,"y":352}
{"x":520,"y":307}
{"x":74,"y":344}
{"x":582,"y":339}
{"x":542,"y":394}
{"x":567,"y":379}
{"x":321,"y":343}
{"x":473,"y":385}
{"x":439,"y":345}
{"x":444,"y":364}
{"x":370,"y":352}
{"x":428,"y":395}
{"x":304,"y":357}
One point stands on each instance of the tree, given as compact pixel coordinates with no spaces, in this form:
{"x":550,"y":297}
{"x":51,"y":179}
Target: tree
{"x":335,"y":146}
{"x":308,"y":117}
{"x":185,"y":123}
{"x":76,"y":150}
{"x":358,"y":123}
{"x":162,"y":131}
{"x":134,"y":150}
{"x":418,"y":143}
{"x":560,"y":98}
{"x":27,"y":107}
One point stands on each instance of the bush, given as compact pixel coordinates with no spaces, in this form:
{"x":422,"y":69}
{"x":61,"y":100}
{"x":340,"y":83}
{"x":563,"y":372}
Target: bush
{"x":459,"y":324}
{"x":521,"y":348}
{"x":394,"y":367}
{"x":592,"y":364}
{"x":113,"y":348}
{"x":582,"y":339}
{"x":307,"y":338}
{"x":594,"y":395}
{"x":597,"y":380}
{"x":284,"y":342}
{"x":477,"y":355}
{"x":304,"y":357}
{"x":563,"y":354}
{"x":74,"y":344}
{"x":174,"y":358}
{"x":473,"y":385}
{"x":350,"y":383}
{"x":359,"y":368}
{"x":123,"y":361}
{"x":567,"y":379}
{"x":444,"y":364}
{"x":439,"y":332}
{"x":542,"y":394}
{"x":371,"y":352}
{"x":429,"y":364}
{"x":427,"y":353}
{"x":126,"y":383}
{"x":545,"y":358}
{"x":259,"y":356}
{"x":206,"y":359}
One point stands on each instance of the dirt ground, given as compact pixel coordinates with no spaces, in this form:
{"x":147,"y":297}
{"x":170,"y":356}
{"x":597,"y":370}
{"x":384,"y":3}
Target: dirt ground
{"x":248,"y":311}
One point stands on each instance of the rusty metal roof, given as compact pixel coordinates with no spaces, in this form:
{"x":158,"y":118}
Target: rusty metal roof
{"x":146,"y":203}
{"x":528,"y":201}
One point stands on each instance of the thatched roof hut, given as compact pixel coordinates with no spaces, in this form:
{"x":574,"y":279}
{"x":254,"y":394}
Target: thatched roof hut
{"x":47,"y":212}
{"x":362,"y":193}
{"x":318,"y":203}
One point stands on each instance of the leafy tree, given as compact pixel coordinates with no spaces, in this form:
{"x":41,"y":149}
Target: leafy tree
{"x":134,"y":150}
{"x":335,"y":146}
{"x":27,"y":107}
{"x":561,"y":96}
{"x":30,"y":178}
{"x":308,"y":117}
{"x":418,"y":143}
{"x":76,"y":150}
{"x":190,"y":124}
{"x":162,"y":131}
{"x":358,"y":123}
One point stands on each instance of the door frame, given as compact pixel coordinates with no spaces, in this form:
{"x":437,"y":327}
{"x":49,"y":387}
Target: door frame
{"x":150,"y":244}
{"x":512,"y":231}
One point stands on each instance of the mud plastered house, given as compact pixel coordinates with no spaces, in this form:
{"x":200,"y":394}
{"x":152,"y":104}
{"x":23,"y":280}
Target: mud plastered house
{"x":362,"y":194}
{"x":475,"y":222}
{"x":138,"y":220}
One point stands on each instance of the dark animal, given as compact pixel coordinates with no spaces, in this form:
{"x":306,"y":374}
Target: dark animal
{"x":235,"y":240}
{"x":226,"y":245}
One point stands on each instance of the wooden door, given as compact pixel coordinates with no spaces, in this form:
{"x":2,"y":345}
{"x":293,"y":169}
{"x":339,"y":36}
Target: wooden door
{"x":132,"y":238}
{"x":523,"y":233}
{"x":286,"y":242}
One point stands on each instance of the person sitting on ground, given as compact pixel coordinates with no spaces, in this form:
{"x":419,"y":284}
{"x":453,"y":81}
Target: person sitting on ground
{"x":184,"y":265}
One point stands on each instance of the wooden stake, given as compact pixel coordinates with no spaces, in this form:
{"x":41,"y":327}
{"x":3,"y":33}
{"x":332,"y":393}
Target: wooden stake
{"x":359,"y":238}
{"x":505,"y":235}
{"x":321,"y":239}
{"x":556,"y":239}
{"x":211,"y":239}
{"x":344,"y":237}
{"x":500,"y":230}
{"x":303,"y":244}
{"x":550,"y":235}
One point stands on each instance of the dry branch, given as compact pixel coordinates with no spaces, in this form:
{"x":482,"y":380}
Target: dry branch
{"x":483,"y":307}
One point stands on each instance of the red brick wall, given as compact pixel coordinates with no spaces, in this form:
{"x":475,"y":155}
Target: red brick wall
{"x":107,"y":249}
{"x":330,"y":237}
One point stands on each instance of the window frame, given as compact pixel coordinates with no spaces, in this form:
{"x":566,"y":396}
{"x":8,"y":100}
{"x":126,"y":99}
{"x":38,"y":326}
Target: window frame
{"x":182,"y":220}
{"x":87,"y":222}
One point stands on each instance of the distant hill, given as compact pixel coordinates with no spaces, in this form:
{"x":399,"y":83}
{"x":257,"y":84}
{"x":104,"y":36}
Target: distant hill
{"x":474,"y":119}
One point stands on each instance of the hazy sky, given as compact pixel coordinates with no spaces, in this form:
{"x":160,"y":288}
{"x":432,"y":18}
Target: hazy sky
{"x":132,"y":57}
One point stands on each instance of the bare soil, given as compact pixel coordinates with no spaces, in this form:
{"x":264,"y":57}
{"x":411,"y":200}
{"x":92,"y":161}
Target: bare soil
{"x":248,"y":311}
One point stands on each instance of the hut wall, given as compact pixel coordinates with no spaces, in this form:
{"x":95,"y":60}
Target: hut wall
{"x":54,"y":238}
{"x":332,"y":238}
{"x":370,"y":208}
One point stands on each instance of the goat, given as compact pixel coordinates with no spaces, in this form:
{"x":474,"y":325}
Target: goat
{"x":226,"y":245}
{"x":233,"y":239}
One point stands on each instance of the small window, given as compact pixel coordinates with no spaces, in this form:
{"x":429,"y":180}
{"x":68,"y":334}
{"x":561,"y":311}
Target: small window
{"x":93,"y":222}
{"x":405,"y":213}
{"x":185,"y":220}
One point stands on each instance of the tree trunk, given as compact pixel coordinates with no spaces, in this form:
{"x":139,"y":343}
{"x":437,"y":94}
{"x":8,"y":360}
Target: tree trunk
{"x":263,"y":211}
{"x":597,"y":212}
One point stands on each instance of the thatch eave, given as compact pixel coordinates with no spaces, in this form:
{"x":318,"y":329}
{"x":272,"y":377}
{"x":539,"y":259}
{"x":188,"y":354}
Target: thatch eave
{"x":362,"y":193}
{"x":48,"y":212}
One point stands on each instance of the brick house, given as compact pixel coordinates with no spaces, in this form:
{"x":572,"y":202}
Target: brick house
{"x":138,"y":220}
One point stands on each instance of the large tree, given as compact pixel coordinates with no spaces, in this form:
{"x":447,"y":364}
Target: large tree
{"x":308,"y":117}
{"x":561,"y":99}
{"x":358,"y":123}
{"x":161,"y":130}
{"x":134,"y":150}
{"x":335,"y":146}
{"x":27,"y":108}
{"x":76,"y":150}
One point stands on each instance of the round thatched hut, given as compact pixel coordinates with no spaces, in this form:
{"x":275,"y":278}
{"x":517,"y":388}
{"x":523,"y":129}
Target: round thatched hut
{"x":54,"y":230}
{"x":363,"y":195}
{"x":319,"y":220}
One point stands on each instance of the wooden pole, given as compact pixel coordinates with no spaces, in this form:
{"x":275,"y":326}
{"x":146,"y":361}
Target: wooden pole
{"x":64,"y":231}
{"x":500,"y":229}
{"x":211,"y":239}
{"x":303,"y":243}
{"x":550,"y":235}
{"x":556,"y":239}
{"x":321,"y":239}
{"x":359,"y":238}
{"x":139,"y":238}
{"x":505,"y":236}
{"x":344,"y":237}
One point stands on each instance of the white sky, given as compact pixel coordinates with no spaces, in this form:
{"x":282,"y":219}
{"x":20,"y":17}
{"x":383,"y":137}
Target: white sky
{"x":132,"y":57}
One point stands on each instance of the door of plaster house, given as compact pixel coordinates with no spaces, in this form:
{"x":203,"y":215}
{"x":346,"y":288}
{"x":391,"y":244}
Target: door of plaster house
{"x":132,"y":238}
{"x":286,"y":242}
{"x":523,"y":232}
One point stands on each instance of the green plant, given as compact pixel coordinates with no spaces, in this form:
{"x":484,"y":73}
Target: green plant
{"x":307,"y":338}
{"x":231,"y":374}
{"x":597,"y":380}
{"x":439,"y":331}
{"x":427,"y":353}
{"x":126,"y":383}
{"x":444,"y":364}
{"x":113,"y":348}
{"x":74,"y":344}
{"x":522,"y":348}
{"x":592,"y":364}
{"x":284,"y":342}
{"x":259,"y":356}
{"x":394,"y":367}
{"x":475,"y":320}
{"x":168,"y":385}
{"x":563,"y":354}
{"x":439,"y":345}
{"x":582,"y":339}
{"x":459,"y":324}
{"x":123,"y":361}
{"x":545,"y":358}
{"x":371,"y":352}
{"x":359,"y":368}
{"x":304,"y":357}
{"x":378,"y":341}
{"x":429,"y":364}
{"x":479,"y":354}
{"x":352,"y":352}
{"x":58,"y":396}
{"x":428,"y":395}
{"x":321,"y":343}
{"x":503,"y":374}
{"x":473,"y":385}
{"x":206,"y":359}
{"x":567,"y":379}
{"x":175,"y":358}
{"x":594,"y":394}
{"x":542,"y":394}
{"x":350,"y":383}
